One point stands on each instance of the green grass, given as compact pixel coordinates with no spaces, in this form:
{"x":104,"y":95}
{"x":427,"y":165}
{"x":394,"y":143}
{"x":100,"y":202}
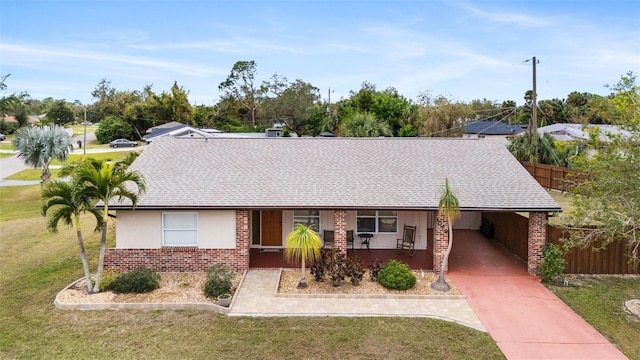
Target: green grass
{"x":78,"y":130}
{"x":107,"y":156}
{"x":599,"y":300}
{"x":35,"y":265}
{"x":6,"y":145}
{"x":6,"y":155}
{"x":32,"y":174}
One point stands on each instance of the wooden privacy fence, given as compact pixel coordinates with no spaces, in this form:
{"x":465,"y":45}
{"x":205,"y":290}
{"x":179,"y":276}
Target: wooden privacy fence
{"x":553,"y":177}
{"x":511,"y":230}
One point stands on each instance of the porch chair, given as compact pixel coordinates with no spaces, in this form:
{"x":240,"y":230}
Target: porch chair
{"x":350,"y":238}
{"x":328,"y":238}
{"x":408,"y":241}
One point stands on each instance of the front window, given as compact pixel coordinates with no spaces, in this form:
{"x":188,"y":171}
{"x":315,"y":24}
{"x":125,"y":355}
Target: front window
{"x":180,"y":229}
{"x":307,"y":218}
{"x":377,"y":221}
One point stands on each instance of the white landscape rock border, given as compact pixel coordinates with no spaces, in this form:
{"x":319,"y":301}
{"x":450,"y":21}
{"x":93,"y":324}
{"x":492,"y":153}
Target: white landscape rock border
{"x":141,"y":306}
{"x":633,"y":306}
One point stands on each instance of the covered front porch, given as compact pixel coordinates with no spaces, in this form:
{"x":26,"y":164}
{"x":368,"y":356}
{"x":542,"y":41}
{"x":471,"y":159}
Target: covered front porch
{"x":471,"y":253}
{"x":422,"y":259}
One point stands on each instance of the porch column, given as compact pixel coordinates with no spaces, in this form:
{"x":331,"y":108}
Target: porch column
{"x":536,"y":239}
{"x":241,"y":260}
{"x":340,"y":231}
{"x":440,"y":241}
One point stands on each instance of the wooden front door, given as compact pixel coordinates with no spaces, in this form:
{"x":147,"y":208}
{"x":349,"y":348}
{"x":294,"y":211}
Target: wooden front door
{"x":272,"y":228}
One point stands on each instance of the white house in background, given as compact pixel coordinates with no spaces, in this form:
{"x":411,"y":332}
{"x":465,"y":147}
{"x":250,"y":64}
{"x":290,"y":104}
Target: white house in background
{"x":580,"y":132}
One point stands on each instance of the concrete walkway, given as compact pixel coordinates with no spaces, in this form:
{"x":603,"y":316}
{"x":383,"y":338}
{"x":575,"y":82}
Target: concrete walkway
{"x":526,"y":319}
{"x":257,"y":297}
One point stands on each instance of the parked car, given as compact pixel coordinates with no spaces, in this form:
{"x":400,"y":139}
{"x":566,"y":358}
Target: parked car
{"x":122,"y":143}
{"x":2,"y":137}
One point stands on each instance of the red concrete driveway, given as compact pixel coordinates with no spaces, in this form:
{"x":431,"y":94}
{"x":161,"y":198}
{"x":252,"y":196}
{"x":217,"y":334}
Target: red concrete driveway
{"x":526,"y":319}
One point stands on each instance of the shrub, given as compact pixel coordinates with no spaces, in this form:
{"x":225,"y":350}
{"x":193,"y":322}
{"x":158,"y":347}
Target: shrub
{"x":396,"y":275}
{"x":355,"y":271}
{"x":140,"y":280}
{"x":107,"y":280}
{"x":218,"y":280}
{"x":336,"y":267}
{"x":552,"y":265}
{"x":374,"y":269}
{"x":319,"y":267}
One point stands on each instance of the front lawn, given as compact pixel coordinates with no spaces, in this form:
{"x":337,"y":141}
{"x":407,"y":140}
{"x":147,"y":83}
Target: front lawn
{"x":35,"y":265}
{"x":599,"y":300}
{"x":106,"y":156}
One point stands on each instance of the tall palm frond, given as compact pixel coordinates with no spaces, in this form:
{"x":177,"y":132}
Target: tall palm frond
{"x":105,"y":184}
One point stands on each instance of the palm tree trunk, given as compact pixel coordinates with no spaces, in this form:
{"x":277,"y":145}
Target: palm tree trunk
{"x":441,"y":283}
{"x":303,"y":283}
{"x":46,"y":174}
{"x":83,"y":255}
{"x":103,"y":245}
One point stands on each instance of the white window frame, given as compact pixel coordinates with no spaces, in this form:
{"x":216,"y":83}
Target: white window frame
{"x":377,"y":217}
{"x":189,"y":230}
{"x":307,"y":217}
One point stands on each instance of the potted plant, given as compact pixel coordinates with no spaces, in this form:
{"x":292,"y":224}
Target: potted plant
{"x":224,"y":299}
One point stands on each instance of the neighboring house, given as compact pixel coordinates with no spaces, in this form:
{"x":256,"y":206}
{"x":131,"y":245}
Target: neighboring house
{"x":210,"y":200}
{"x":579,"y":132}
{"x":175,"y":128}
{"x":492,"y":130}
{"x":31,"y":119}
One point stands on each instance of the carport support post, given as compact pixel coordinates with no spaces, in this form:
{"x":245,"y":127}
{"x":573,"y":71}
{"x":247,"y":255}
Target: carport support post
{"x":536,"y":239}
{"x":340,"y":231}
{"x":440,"y":241}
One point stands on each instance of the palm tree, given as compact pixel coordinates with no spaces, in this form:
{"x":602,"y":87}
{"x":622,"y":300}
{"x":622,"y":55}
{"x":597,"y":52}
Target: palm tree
{"x":365,"y":125}
{"x":303,"y":244}
{"x":539,"y":149}
{"x":450,"y":208}
{"x":104,"y":184}
{"x":67,"y":204}
{"x":38,"y":146}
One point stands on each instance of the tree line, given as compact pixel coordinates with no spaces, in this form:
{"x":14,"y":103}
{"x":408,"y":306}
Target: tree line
{"x":250,"y":104}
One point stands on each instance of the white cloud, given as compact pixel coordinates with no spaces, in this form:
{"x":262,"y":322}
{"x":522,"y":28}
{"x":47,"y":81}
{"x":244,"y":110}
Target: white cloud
{"x":505,"y":18}
{"x":43,"y":57}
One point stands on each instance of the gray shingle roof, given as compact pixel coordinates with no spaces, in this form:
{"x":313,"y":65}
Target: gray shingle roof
{"x":347,"y":173}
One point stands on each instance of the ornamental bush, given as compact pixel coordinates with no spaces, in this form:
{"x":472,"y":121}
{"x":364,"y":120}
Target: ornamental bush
{"x":107,"y":280}
{"x":396,"y":275}
{"x":218,"y":280}
{"x":140,"y":280}
{"x":552,"y":265}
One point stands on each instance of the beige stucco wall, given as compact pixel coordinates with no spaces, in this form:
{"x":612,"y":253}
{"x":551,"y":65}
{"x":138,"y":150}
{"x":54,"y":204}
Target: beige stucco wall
{"x":142,"y":229}
{"x":138,"y":229}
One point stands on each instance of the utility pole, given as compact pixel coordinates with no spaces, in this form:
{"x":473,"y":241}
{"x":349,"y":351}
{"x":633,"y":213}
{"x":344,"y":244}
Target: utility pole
{"x":534,"y":105}
{"x":85,"y":130}
{"x":533,"y":123}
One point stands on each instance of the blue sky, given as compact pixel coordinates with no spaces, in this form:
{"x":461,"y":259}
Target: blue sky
{"x":462,"y":49}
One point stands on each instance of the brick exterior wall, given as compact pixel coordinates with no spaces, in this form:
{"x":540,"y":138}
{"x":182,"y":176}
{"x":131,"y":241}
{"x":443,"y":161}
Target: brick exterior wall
{"x":340,"y":231}
{"x":184,"y":259}
{"x":440,"y":241}
{"x":536,"y":240}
